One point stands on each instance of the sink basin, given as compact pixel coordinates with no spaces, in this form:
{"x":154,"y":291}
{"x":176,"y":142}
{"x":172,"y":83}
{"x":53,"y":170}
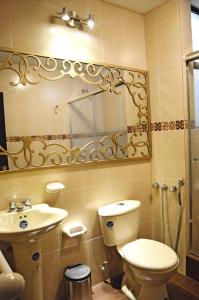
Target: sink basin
{"x":25,"y":230}
{"x":30,"y":223}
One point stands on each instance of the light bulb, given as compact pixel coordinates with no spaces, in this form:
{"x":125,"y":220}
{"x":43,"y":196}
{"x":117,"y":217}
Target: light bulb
{"x":65,"y":15}
{"x":90,"y":21}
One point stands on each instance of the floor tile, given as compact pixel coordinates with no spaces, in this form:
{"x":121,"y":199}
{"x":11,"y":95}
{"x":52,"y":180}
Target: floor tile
{"x":104,"y":291}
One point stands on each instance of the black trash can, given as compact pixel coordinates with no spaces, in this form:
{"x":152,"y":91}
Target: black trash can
{"x":78,"y":282}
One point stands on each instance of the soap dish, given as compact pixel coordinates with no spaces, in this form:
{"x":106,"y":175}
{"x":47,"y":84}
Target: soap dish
{"x":74,"y":230}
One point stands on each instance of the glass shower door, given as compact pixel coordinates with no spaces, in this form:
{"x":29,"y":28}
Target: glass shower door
{"x":193,"y":90}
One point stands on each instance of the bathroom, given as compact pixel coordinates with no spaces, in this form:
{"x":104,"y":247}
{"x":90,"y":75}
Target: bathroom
{"x":157,"y":41}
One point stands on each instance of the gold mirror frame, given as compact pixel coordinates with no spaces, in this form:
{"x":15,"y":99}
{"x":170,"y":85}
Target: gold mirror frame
{"x":106,"y":77}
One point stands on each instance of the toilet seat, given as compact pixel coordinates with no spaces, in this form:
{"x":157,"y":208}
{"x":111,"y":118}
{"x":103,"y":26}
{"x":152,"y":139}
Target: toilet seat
{"x":149,"y":255}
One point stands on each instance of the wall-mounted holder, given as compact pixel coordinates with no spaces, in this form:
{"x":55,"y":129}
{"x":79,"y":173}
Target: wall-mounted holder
{"x":173,"y":188}
{"x":156,"y":185}
{"x":164,"y":187}
{"x":74,"y":230}
{"x":52,"y":190}
{"x":54,"y":187}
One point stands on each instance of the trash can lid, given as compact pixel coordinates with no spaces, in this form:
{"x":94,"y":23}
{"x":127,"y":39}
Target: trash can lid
{"x":77,"y":272}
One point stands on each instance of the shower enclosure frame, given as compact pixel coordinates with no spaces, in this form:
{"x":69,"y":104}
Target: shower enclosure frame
{"x":190,"y":58}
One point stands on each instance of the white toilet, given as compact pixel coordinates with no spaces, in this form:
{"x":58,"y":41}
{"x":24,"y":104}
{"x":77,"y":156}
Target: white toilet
{"x":148,"y":264}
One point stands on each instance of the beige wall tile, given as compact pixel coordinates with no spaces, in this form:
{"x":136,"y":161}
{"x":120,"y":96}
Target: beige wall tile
{"x":146,"y":230}
{"x":135,"y":40}
{"x":52,"y":275}
{"x":5,"y":26}
{"x":96,"y":255}
{"x":151,"y":37}
{"x":171,"y":95}
{"x":168,"y":154}
{"x":169,"y":46}
{"x":155,"y":100}
{"x":157,"y":142}
{"x":174,"y":154}
{"x":167,"y":40}
{"x":119,"y":38}
{"x":52,"y":240}
{"x":169,"y":10}
{"x":96,"y":197}
{"x":150,"y":20}
{"x":27,"y":20}
{"x":130,"y":170}
{"x":185,"y":11}
{"x":100,"y":176}
{"x":123,"y":17}
{"x":74,"y":203}
{"x":170,"y":240}
{"x":87,"y":188}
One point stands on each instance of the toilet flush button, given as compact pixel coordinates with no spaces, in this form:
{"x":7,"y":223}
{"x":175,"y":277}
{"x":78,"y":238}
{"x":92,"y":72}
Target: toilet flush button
{"x":109,"y":224}
{"x":120,"y":204}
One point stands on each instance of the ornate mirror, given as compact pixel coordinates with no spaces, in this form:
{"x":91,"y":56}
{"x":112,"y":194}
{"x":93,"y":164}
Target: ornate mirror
{"x":60,"y":112}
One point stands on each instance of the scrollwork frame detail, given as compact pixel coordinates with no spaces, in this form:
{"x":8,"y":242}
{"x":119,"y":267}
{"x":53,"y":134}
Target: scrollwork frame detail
{"x":107,"y":78}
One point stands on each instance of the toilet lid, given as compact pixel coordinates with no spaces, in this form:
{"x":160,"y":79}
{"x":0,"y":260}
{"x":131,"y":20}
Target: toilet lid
{"x":149,"y":254}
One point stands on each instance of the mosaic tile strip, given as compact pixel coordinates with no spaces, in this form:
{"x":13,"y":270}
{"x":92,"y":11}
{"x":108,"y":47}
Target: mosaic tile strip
{"x":137,"y":128}
{"x":157,"y":126}
{"x":47,"y":137}
{"x":161,"y":126}
{"x":54,"y":137}
{"x":171,"y":125}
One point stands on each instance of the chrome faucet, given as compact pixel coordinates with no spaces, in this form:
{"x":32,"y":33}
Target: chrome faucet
{"x":12,"y":206}
{"x":25,"y":204}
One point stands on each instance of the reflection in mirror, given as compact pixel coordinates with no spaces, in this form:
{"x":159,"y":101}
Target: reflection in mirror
{"x":58,"y":112}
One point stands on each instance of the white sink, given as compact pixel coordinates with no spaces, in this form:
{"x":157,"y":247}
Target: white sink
{"x":25,"y":230}
{"x":31,"y":223}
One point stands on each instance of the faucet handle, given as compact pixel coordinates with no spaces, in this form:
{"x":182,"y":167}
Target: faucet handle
{"x":12,"y":206}
{"x":26,"y":202}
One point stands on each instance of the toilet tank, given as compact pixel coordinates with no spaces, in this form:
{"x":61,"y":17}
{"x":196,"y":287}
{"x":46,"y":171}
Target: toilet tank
{"x":120,"y":222}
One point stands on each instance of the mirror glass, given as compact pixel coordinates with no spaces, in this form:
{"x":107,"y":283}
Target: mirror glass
{"x":58,"y":112}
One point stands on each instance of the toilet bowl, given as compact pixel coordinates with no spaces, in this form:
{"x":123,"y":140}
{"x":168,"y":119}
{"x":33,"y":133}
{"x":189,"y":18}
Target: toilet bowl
{"x":148,"y":264}
{"x":151,"y":264}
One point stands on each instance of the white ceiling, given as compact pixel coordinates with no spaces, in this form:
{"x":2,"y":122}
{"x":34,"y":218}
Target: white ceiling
{"x":140,"y":6}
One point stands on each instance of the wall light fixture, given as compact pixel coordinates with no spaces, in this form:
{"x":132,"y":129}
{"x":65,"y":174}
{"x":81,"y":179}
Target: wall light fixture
{"x":72,"y":19}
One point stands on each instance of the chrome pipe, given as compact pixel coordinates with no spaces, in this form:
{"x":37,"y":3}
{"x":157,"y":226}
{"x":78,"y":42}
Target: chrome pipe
{"x":179,"y":227}
{"x":192,"y":56}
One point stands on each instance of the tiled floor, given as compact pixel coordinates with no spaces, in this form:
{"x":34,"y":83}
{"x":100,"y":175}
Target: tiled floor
{"x":183,"y":288}
{"x":104,"y":291}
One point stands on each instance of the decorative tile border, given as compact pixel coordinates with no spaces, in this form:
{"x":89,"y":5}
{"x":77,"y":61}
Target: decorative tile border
{"x":54,"y":137}
{"x":137,"y":128}
{"x":160,"y":126}
{"x":47,"y":137}
{"x":157,"y":126}
{"x":171,"y":125}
